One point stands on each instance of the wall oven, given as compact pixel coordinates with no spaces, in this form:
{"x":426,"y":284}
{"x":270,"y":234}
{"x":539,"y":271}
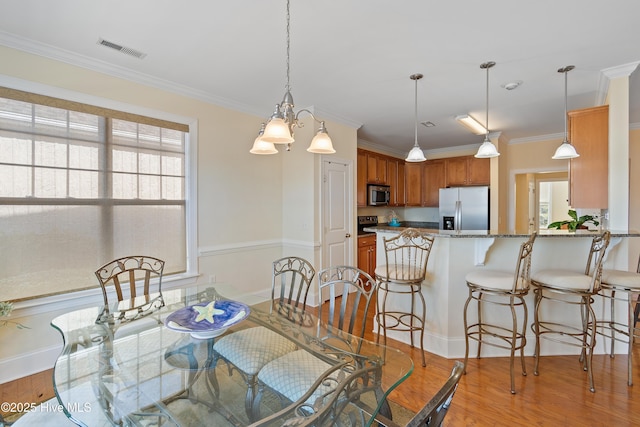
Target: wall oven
{"x":378,"y":195}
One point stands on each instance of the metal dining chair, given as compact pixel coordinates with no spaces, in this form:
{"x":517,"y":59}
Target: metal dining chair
{"x":137,"y":282}
{"x":249,"y":350}
{"x":500,"y":289}
{"x":404,"y":270}
{"x":627,"y":283}
{"x":343,"y":317}
{"x":569,"y":288}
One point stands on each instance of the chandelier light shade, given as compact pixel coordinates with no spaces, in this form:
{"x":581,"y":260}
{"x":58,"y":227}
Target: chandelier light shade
{"x":321,"y":143}
{"x":487,"y":149}
{"x":416,"y":154}
{"x":260,"y":146}
{"x":279,"y":127}
{"x":565,"y":150}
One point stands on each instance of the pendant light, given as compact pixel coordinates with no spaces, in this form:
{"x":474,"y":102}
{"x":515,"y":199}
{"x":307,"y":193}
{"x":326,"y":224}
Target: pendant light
{"x":565,"y":150}
{"x":416,"y":154}
{"x":487,"y":149}
{"x":279,"y":127}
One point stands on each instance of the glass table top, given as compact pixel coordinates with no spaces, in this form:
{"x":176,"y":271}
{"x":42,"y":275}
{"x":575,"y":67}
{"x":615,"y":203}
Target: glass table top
{"x":153,"y":367}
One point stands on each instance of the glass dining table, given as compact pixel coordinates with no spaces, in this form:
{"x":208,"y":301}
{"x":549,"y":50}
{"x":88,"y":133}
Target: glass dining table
{"x":155,"y":370}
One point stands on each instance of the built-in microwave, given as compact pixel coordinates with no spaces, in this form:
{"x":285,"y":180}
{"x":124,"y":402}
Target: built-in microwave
{"x":378,"y":195}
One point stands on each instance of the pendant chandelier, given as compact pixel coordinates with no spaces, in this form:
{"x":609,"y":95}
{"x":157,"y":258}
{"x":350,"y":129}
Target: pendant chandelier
{"x":279,"y":128}
{"x":487,"y":149}
{"x":416,"y":154}
{"x":565,"y":150}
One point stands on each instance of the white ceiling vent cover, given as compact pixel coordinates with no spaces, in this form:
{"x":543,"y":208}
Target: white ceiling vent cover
{"x":123,"y":49}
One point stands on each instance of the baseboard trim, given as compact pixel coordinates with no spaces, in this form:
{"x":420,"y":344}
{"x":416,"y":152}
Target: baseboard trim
{"x":26,"y":364}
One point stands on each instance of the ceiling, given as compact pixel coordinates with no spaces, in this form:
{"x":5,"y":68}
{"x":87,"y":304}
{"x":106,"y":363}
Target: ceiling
{"x":350,"y":60}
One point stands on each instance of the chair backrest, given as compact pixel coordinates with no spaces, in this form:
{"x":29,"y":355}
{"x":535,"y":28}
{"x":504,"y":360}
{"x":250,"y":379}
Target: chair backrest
{"x":433,"y":413}
{"x":132,"y":278}
{"x":406,"y":255}
{"x":597,"y":253}
{"x":291,"y":279}
{"x":349,"y":292}
{"x":522,"y":277}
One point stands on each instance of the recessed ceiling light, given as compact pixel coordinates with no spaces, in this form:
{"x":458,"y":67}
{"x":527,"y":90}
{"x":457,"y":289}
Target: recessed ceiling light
{"x":512,"y":85}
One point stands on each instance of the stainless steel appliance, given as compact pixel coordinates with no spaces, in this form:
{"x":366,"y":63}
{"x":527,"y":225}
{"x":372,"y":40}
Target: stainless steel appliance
{"x":378,"y":195}
{"x":366,"y":221}
{"x":464,"y":208}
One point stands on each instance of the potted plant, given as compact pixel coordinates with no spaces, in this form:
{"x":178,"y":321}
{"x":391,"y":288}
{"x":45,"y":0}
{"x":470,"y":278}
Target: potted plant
{"x":574,"y":223}
{"x":6,"y":307}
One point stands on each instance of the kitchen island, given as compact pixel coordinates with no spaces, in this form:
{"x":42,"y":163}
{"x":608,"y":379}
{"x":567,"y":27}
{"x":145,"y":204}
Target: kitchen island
{"x":455,"y":253}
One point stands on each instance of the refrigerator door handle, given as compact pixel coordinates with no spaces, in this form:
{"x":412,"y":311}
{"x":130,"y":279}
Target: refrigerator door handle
{"x":458,"y":215}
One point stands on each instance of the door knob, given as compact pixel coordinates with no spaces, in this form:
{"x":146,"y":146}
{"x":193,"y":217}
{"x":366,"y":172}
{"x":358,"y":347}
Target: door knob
{"x":347,"y":235}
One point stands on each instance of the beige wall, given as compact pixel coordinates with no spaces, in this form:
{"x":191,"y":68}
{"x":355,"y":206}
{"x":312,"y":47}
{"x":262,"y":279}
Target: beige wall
{"x":251,"y":209}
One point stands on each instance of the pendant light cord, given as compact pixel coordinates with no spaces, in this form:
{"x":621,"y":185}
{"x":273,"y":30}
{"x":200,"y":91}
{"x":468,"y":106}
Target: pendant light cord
{"x":566,"y":136}
{"x":416,"y":113}
{"x":487,"y":110}
{"x":565,"y":70}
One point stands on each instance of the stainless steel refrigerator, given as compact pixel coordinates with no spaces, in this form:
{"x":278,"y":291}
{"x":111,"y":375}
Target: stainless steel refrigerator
{"x":464,"y":208}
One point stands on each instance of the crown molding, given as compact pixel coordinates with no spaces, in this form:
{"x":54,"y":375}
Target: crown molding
{"x":609,"y":74}
{"x":67,"y":57}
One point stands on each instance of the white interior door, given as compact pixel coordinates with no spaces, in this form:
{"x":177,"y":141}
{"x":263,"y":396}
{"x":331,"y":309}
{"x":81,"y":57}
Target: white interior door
{"x":337,"y":202}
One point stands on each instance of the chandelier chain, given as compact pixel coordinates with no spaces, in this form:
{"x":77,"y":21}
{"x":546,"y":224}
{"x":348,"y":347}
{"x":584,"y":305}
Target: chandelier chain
{"x":288,"y":86}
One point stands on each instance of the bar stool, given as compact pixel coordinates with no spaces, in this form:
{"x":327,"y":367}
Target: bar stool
{"x":576,"y":289}
{"x":628,"y":283}
{"x":405,"y":267}
{"x":501,"y":289}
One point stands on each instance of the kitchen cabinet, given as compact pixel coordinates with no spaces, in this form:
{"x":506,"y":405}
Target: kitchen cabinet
{"x":376,"y":168}
{"x":589,"y":174}
{"x":367,"y":254}
{"x":467,"y":170}
{"x":395,"y":179}
{"x":434,"y":179}
{"x":361,"y":178}
{"x":413,"y":181}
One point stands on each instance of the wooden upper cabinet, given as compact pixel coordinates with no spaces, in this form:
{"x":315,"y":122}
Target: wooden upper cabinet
{"x":376,"y":168}
{"x":456,"y":171}
{"x":467,"y":170}
{"x":395,"y":179}
{"x":413,"y":180}
{"x":589,"y":173}
{"x":361,"y":174}
{"x":434,"y":180}
{"x":478,"y":171}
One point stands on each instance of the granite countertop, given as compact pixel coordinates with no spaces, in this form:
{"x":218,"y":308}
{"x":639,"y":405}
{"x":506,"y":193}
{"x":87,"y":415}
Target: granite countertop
{"x":432,"y":229}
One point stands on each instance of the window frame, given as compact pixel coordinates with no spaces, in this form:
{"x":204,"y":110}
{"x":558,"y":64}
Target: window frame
{"x":47,"y":303}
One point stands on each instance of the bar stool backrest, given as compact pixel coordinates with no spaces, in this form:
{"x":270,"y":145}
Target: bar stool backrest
{"x":522,"y":276}
{"x":597,"y":253}
{"x":406,"y":255}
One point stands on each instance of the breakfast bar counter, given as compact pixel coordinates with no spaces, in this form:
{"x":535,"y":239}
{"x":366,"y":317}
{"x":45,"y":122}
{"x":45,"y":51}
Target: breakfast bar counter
{"x":456,"y":253}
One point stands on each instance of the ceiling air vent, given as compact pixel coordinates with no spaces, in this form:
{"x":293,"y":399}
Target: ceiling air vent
{"x":123,"y":49}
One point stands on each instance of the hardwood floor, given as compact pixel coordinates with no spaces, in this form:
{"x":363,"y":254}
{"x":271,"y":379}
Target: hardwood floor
{"x":559,"y":396}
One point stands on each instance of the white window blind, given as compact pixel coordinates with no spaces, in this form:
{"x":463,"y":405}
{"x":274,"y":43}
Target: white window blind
{"x":80,"y":187}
